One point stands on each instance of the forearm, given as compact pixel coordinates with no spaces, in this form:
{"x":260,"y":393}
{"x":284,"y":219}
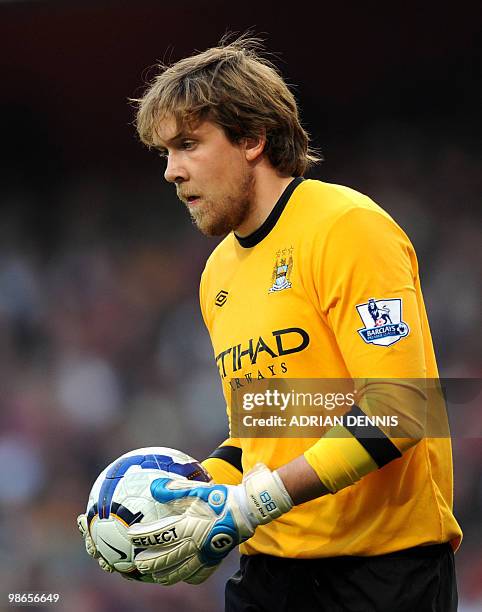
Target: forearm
{"x":224,"y":463}
{"x":340,"y":459}
{"x":301,"y":481}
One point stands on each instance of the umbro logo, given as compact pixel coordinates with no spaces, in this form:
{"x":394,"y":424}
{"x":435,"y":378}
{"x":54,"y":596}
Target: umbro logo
{"x":221,"y":298}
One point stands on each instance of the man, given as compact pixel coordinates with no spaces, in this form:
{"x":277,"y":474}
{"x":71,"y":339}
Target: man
{"x":346,"y":521}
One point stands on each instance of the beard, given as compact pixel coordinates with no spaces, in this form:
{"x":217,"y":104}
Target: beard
{"x":218,"y":218}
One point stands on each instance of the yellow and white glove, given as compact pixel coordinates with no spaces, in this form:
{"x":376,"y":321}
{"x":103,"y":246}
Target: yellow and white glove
{"x":191,"y":545}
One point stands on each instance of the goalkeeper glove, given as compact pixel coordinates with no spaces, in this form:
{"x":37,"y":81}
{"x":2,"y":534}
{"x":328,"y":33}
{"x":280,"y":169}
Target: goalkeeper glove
{"x":190,"y":546}
{"x":89,"y":544}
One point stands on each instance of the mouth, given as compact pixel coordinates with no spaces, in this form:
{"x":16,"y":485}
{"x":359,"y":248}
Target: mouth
{"x":192,"y":199}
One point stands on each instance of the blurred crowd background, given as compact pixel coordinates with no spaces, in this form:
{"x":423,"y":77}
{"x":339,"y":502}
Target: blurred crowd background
{"x":102,"y":346}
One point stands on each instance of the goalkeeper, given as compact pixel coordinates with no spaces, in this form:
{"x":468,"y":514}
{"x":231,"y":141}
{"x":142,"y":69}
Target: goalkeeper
{"x":344,"y":522}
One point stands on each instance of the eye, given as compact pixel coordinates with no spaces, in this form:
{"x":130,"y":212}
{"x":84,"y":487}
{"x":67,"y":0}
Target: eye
{"x":187,"y":144}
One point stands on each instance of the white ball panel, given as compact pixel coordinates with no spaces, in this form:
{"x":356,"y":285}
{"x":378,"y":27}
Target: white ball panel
{"x":109,"y":534}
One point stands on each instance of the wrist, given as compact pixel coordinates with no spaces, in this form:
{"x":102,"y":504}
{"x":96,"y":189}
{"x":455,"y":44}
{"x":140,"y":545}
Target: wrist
{"x":265,"y":496}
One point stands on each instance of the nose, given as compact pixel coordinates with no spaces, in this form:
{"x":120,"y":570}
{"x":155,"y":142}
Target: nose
{"x":175,"y":171}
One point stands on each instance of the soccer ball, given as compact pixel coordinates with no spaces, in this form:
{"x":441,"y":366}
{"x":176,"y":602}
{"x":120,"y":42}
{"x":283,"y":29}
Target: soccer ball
{"x":121,"y":497}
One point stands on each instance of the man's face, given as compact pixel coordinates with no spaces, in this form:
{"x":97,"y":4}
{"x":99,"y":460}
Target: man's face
{"x":211,"y":174}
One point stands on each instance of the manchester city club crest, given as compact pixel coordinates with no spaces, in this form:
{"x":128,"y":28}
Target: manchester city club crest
{"x":282,"y":270}
{"x":383,"y":321}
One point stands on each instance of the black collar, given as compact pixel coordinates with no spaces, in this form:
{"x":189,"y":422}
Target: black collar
{"x":263,"y":230}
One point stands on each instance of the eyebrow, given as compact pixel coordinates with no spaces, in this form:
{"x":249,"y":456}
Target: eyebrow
{"x":179,"y":136}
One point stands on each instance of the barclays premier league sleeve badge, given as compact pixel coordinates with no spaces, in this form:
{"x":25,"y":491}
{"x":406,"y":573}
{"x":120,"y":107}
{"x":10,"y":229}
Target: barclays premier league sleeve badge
{"x":383,"y":321}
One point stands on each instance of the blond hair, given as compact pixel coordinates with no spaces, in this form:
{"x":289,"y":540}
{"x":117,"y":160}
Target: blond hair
{"x":236,"y":88}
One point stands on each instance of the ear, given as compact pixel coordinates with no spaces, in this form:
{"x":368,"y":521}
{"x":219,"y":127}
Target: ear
{"x":254,"y":147}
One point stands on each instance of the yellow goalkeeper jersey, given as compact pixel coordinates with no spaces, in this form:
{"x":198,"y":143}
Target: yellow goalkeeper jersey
{"x":312,"y":294}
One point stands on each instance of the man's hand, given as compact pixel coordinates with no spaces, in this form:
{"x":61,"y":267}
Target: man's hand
{"x":89,"y":544}
{"x":191,"y":545}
